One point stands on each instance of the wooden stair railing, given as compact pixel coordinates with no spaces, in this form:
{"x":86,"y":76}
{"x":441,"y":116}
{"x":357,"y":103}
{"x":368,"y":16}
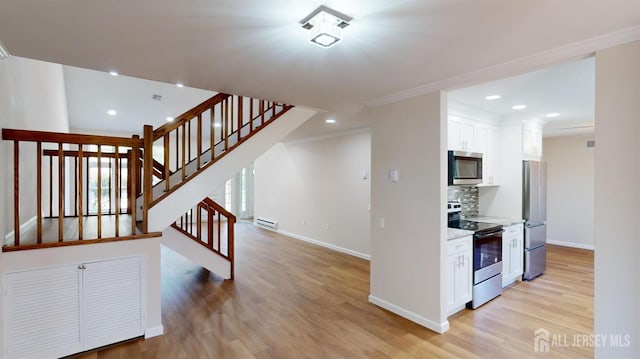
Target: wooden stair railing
{"x":201,"y":136}
{"x":86,"y":179}
{"x":216,"y":236}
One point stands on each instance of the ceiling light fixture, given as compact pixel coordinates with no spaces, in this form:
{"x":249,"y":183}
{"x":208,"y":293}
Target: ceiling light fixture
{"x":325,"y":26}
{"x":519,"y":107}
{"x":554,"y":114}
{"x":330,"y":120}
{"x":170,"y":119}
{"x":113,"y":73}
{"x":180,"y":84}
{"x":492,"y":97}
{"x":112,"y":112}
{"x":4,"y":54}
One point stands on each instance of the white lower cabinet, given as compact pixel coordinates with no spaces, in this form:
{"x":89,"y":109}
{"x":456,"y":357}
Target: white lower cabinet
{"x":58,"y":311}
{"x":459,"y":273}
{"x":512,"y":254}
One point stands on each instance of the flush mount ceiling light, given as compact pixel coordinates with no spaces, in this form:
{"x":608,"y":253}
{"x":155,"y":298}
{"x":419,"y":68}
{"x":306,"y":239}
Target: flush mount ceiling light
{"x":554,"y":114}
{"x":492,"y":97}
{"x":325,"y":26}
{"x":113,"y":73}
{"x":4,"y":54}
{"x":112,"y":112}
{"x":330,"y":120}
{"x":180,"y":84}
{"x":519,"y":107}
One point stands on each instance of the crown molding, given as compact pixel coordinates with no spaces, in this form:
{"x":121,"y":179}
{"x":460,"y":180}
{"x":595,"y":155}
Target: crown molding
{"x":574,"y":51}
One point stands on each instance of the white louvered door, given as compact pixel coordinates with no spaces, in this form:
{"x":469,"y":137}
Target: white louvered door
{"x":42,"y":313}
{"x":112,"y":301}
{"x":58,"y":311}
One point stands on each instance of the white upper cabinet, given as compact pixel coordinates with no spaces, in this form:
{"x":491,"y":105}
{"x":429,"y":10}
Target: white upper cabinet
{"x":532,"y":139}
{"x":474,"y":136}
{"x":462,"y":134}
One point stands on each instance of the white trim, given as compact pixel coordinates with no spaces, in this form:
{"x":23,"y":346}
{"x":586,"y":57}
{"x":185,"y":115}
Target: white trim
{"x":8,"y":239}
{"x":153,"y":332}
{"x":328,"y":136}
{"x":574,"y":51}
{"x":427,"y":323}
{"x":571,"y":244}
{"x":325,"y":244}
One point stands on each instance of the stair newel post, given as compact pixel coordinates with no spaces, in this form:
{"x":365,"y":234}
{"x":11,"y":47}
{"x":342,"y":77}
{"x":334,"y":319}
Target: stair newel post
{"x":147,"y":186}
{"x":230,"y":239}
{"x":61,"y":191}
{"x":135,"y":179}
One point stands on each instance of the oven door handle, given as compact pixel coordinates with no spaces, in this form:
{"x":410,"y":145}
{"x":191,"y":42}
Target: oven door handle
{"x":485,"y":235}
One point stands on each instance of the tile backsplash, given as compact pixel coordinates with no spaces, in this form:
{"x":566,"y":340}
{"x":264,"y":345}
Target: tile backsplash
{"x":468,"y":197}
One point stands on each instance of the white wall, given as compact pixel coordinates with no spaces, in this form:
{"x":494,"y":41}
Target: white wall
{"x":617,"y":172}
{"x":32,"y":97}
{"x":407,"y":269}
{"x":570,"y":188}
{"x":315,"y":190}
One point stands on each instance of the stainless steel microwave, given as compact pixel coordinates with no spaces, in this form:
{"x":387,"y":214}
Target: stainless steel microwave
{"x":465,"y":168}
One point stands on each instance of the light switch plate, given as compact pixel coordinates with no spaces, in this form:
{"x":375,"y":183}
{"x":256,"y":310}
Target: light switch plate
{"x":393,"y":175}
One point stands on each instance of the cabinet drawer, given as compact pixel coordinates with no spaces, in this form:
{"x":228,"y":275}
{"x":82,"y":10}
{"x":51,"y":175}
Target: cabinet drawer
{"x":459,"y":245}
{"x":516,"y":228}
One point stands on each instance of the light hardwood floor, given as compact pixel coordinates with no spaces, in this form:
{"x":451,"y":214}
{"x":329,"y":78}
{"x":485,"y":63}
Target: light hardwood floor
{"x":291,"y":299}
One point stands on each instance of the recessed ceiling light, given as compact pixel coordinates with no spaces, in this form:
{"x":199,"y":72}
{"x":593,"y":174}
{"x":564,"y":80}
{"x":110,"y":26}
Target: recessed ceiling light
{"x":113,"y":73}
{"x":112,"y":112}
{"x":492,"y":97}
{"x":170,"y":119}
{"x":180,"y":84}
{"x":554,"y":114}
{"x":519,"y":107}
{"x":330,"y":120}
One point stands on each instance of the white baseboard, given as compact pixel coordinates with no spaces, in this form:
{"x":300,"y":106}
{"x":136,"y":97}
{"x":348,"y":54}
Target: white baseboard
{"x":427,"y":323}
{"x":8,"y":239}
{"x":571,"y":244}
{"x":324,"y":244}
{"x":153,"y":332}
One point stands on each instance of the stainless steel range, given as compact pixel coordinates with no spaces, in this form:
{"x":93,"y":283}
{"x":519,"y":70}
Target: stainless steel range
{"x":487,"y":256}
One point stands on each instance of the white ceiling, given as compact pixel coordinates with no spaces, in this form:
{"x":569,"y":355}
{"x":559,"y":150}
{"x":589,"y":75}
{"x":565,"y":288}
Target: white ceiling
{"x":257,"y":48}
{"x":90,"y":94}
{"x":567,"y":89}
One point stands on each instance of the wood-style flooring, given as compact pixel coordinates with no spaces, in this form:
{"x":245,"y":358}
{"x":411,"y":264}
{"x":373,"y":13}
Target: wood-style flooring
{"x":292,"y":299}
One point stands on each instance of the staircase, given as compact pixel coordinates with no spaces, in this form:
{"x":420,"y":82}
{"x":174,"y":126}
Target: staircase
{"x":92,"y":189}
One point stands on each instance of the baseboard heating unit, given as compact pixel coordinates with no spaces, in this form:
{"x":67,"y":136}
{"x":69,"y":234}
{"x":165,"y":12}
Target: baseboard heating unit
{"x":267,"y":223}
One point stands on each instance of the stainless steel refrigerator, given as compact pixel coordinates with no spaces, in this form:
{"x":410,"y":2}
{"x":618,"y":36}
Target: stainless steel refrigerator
{"x":534,"y":212}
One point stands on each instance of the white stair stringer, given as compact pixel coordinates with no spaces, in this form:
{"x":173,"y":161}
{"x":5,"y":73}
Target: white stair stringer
{"x":196,"y":253}
{"x":188,"y":195}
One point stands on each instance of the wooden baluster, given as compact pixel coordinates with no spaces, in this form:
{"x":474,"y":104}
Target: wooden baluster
{"x":109,"y":190}
{"x":219,"y":225}
{"x":232,"y":104}
{"x":213,"y":132}
{"x":99,"y":191}
{"x":79,"y":179}
{"x":273,"y":109}
{"x":75,"y":186}
{"x":210,"y":227}
{"x":39,"y":191}
{"x":50,"y":186}
{"x":117,"y":191}
{"x":199,"y":140}
{"x":189,"y":141}
{"x":240,"y":100}
{"x":16,"y":193}
{"x":199,"y":222}
{"x":166,"y":163}
{"x":134,"y":161}
{"x":60,"y":192}
{"x":250,"y":115}
{"x":225,"y":117}
{"x":177,"y":149}
{"x":261,"y":112}
{"x":147,"y":191}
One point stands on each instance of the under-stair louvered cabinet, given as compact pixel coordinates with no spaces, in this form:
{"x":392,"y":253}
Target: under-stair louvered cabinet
{"x":58,"y":311}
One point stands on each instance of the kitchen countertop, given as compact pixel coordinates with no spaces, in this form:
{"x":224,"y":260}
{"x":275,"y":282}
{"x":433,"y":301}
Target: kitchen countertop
{"x":455,"y":233}
{"x":497,"y":220}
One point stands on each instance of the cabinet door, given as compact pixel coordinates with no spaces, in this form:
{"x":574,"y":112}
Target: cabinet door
{"x":113,"y":301}
{"x":468,"y":136}
{"x":452,"y":267}
{"x":507,"y":243}
{"x":453,"y":134}
{"x":464,"y":279}
{"x":42,"y":313}
{"x":517,"y":254}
